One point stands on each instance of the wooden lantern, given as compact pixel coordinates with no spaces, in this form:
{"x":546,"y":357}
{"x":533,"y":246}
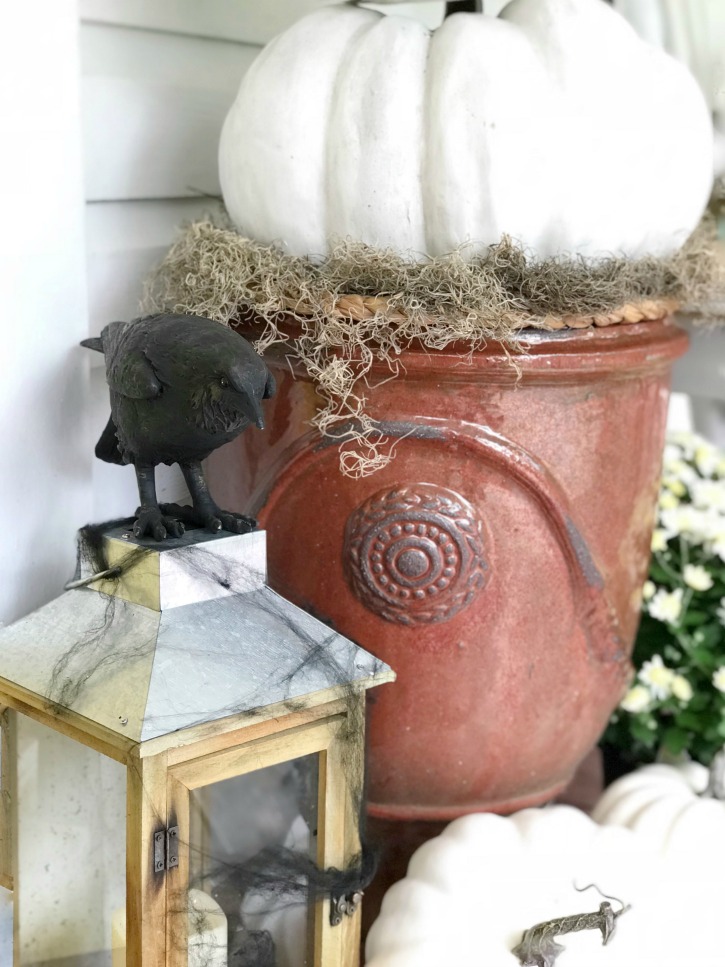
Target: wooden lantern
{"x":160,"y":728}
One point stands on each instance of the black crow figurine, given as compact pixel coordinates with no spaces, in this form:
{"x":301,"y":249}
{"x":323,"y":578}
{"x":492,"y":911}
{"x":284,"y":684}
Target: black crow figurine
{"x":180,"y":387}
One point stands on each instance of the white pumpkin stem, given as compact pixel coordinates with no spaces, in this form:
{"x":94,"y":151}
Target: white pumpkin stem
{"x":716,"y":783}
{"x":538,"y":947}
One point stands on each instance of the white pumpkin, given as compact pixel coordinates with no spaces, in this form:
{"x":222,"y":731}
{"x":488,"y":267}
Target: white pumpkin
{"x":471,"y":893}
{"x":554,"y":123}
{"x":665,"y":803}
{"x":693,"y":32}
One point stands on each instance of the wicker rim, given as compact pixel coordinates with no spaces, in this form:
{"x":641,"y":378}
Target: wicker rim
{"x":361,"y":308}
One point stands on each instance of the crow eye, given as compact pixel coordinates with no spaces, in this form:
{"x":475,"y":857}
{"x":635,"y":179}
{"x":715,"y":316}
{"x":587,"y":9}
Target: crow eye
{"x":224,"y":381}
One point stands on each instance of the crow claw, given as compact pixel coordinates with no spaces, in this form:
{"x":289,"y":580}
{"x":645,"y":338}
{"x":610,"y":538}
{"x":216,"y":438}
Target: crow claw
{"x":213,"y":520}
{"x":153,"y":523}
{"x":236,"y":523}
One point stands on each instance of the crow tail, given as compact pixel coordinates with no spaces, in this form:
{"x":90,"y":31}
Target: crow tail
{"x":107,"y":446}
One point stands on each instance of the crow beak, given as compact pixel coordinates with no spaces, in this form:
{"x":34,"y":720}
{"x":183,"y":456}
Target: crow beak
{"x":252,"y":409}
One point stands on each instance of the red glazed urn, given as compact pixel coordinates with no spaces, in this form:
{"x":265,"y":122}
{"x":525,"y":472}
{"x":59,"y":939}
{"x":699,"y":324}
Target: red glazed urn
{"x":496,"y":563}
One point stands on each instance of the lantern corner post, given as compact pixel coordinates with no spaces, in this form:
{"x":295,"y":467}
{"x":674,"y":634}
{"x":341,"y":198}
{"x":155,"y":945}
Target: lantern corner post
{"x":146,"y":884}
{"x":341,"y":782}
{"x":179,"y":874}
{"x":9,"y":817}
{"x":7,"y":796}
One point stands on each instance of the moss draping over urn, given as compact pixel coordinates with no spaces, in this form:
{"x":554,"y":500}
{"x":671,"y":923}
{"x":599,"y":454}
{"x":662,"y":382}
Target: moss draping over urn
{"x":360,"y":304}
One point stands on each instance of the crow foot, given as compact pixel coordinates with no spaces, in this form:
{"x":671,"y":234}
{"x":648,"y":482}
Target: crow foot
{"x":152,"y":522}
{"x":212,"y":518}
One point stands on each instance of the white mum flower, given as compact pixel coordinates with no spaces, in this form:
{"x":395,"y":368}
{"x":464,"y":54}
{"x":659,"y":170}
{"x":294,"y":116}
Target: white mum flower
{"x":697,"y":577}
{"x":672,"y":519}
{"x":672,"y":456}
{"x":714,"y":542}
{"x":709,"y":494}
{"x":668,"y":501}
{"x":674,"y":466}
{"x":712,"y":525}
{"x":707,"y":458}
{"x":666,"y":605}
{"x":657,"y":677}
{"x":718,"y":678}
{"x":637,"y":699}
{"x":648,"y":590}
{"x":685,"y":472}
{"x":692,"y":523}
{"x":687,"y":442}
{"x":720,"y":612}
{"x":700,"y":524}
{"x":681,"y":688}
{"x":675,"y":486}
{"x":659,"y":540}
{"x":718,"y":549}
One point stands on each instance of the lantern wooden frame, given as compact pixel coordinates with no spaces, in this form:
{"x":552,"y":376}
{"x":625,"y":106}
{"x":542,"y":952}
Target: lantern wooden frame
{"x":163,"y":770}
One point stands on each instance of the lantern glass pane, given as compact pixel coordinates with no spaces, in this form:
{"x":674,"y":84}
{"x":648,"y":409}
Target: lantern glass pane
{"x":70,"y":888}
{"x":232,"y":824}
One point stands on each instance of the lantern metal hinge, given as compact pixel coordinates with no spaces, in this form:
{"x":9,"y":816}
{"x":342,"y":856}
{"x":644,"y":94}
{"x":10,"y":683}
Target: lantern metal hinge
{"x":166,"y":849}
{"x":344,"y":906}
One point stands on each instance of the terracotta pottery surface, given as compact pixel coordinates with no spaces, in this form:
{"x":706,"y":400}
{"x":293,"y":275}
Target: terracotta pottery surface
{"x":496,"y":563}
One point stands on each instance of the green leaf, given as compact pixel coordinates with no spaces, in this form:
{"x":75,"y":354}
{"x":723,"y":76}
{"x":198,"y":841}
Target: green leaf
{"x":675,"y":740}
{"x":704,"y":659}
{"x":710,"y":635}
{"x":659,"y":575}
{"x":689,"y":720}
{"x":694,"y":619}
{"x":699,"y":702}
{"x":642,"y":733}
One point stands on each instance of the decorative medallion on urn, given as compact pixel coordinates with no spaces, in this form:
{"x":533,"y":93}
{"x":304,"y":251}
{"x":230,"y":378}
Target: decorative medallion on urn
{"x":415,"y":554}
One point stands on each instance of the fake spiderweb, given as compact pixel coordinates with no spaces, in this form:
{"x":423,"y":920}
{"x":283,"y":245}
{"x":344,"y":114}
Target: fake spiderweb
{"x":254,"y":879}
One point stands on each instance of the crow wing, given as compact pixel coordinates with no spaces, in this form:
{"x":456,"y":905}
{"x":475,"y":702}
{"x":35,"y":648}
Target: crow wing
{"x":128,"y":369}
{"x":133,"y":376}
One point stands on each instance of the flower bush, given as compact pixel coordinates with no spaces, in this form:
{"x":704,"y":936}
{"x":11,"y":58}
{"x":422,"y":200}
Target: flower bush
{"x":676,"y":703}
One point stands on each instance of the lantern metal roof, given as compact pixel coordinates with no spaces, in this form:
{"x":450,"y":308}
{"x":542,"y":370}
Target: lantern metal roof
{"x":189,"y":634}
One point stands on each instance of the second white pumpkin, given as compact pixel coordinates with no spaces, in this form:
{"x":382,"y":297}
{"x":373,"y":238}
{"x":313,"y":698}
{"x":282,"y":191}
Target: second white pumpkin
{"x":553,"y":123}
{"x":472,"y":892}
{"x":666,"y":804}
